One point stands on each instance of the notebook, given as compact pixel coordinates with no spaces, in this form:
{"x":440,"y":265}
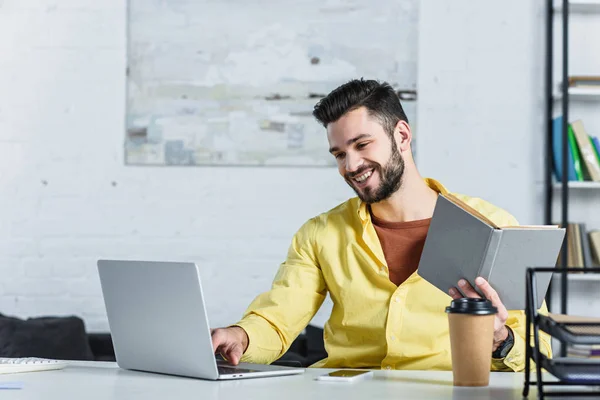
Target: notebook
{"x":463,"y":243}
{"x":159,"y":323}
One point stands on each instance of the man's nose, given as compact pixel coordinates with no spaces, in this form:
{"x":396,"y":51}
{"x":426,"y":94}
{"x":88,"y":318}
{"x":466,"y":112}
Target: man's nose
{"x":353,"y":163}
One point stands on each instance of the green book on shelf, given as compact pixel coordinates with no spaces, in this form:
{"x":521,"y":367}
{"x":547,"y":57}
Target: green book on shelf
{"x":576,"y":156}
{"x":594,"y":142}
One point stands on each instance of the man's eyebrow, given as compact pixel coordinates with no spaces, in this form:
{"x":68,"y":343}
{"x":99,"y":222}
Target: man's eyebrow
{"x":350,"y":141}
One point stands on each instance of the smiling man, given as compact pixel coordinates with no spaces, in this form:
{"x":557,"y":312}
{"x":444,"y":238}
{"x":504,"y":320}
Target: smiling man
{"x":365,"y":254}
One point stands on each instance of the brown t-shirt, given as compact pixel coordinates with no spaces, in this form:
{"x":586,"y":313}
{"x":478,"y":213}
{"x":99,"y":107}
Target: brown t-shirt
{"x":402,"y":244}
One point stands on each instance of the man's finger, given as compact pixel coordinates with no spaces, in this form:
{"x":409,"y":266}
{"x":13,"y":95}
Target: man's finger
{"x":232,"y":354}
{"x":235,"y":354}
{"x":216,"y":341}
{"x":467,"y":289}
{"x":454,"y":293}
{"x":492,"y":295}
{"x":488,"y":291}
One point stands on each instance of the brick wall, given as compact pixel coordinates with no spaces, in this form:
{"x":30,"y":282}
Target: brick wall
{"x":66,"y":199}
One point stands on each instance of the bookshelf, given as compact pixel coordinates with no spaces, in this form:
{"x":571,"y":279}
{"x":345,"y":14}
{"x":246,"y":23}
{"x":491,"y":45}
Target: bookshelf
{"x":571,"y":201}
{"x":581,"y":6}
{"x":580,"y":94}
{"x":578,"y":185}
{"x":579,"y":277}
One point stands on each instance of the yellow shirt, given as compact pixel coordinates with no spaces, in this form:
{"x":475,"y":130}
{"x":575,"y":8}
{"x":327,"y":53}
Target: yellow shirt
{"x":373,"y":323}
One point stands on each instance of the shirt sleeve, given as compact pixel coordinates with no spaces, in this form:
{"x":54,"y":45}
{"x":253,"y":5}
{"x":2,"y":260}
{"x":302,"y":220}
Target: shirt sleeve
{"x":275,"y":318}
{"x":515,"y":359}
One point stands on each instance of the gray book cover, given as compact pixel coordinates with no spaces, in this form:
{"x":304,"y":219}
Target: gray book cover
{"x":585,"y":244}
{"x":461,"y":245}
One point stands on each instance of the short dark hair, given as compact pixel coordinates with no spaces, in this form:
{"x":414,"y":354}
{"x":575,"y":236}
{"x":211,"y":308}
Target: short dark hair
{"x":380,"y":99}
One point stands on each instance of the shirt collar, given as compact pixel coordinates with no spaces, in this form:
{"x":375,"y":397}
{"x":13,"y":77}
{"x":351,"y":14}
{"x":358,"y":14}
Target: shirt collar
{"x":363,"y":212}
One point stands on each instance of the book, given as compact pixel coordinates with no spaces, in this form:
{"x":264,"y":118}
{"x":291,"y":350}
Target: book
{"x":576,"y":157}
{"x":462,"y":243}
{"x":577,"y":248}
{"x":587,"y":151}
{"x":574,"y":247}
{"x":585,"y":246}
{"x":584,"y":80}
{"x":596,"y":144}
{"x":589,"y":351}
{"x":594,"y":237}
{"x":557,"y":152}
{"x":574,"y":319}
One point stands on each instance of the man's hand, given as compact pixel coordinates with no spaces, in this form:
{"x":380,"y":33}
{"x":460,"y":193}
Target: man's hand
{"x":231,"y":343}
{"x":500,"y":330}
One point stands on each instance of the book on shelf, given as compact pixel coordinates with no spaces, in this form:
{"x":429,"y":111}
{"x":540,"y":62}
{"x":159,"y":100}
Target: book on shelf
{"x":557,"y":146}
{"x":583,"y":152}
{"x":584,"y":351}
{"x":574,"y":322}
{"x":596,"y":144}
{"x":589,"y":158}
{"x":584,"y":81}
{"x":583,"y":247}
{"x":594,"y":237}
{"x":576,"y":157}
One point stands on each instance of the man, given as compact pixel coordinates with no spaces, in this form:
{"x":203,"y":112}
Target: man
{"x":365,"y":254}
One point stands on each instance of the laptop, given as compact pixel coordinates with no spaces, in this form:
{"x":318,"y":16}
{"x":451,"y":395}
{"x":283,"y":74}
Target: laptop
{"x":158,"y":322}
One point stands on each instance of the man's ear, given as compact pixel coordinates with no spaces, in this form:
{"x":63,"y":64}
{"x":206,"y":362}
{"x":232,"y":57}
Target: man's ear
{"x":403,"y":135}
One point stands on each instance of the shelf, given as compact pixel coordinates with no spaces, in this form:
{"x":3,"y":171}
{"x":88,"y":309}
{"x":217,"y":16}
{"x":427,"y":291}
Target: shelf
{"x":572,"y":330}
{"x":574,"y":370}
{"x":578,"y":277}
{"x":581,"y":6}
{"x":581,"y":94}
{"x":578,"y":185}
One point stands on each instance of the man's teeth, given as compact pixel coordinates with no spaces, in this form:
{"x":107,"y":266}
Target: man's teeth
{"x":363,"y":177}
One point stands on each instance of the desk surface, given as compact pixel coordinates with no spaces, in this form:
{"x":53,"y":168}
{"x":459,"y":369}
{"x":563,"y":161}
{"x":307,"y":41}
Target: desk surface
{"x":92,"y":380}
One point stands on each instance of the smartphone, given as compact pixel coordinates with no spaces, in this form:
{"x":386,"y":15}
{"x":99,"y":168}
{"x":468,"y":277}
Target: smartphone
{"x":345,"y":375}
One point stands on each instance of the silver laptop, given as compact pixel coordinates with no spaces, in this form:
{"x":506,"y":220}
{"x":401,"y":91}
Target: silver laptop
{"x":158,"y":322}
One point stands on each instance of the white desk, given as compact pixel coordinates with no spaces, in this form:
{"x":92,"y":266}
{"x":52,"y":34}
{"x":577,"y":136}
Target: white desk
{"x":89,"y":380}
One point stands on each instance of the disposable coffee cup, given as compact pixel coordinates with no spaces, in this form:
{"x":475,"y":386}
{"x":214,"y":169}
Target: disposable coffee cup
{"x":471,"y":324}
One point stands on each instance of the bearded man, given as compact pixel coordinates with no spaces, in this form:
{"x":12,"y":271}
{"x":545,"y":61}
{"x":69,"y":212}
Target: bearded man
{"x":365,"y":252}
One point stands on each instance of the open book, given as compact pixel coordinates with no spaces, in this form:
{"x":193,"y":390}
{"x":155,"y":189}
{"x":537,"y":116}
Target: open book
{"x":463,"y":243}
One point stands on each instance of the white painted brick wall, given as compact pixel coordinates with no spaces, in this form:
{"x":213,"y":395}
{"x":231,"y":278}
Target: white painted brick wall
{"x":481,"y":102}
{"x":481,"y":108}
{"x":66,"y":199}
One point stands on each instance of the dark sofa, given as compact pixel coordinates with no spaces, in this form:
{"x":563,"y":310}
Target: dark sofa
{"x":66,"y":338}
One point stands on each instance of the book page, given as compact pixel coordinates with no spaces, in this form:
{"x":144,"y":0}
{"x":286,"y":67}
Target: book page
{"x":578,"y":329}
{"x":572,"y":318}
{"x":485,"y":219}
{"x":530,"y":227}
{"x":469,"y":209}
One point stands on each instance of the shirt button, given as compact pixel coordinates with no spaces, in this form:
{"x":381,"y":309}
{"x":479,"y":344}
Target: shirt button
{"x":397,"y":299}
{"x":393,"y":337}
{"x":388,"y":367}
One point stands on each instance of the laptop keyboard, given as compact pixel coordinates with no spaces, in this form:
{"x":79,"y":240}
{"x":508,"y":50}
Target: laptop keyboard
{"x":224,"y":370}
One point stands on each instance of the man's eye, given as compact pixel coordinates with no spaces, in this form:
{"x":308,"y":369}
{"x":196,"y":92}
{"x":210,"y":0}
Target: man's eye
{"x":339,"y":155}
{"x":361,"y":145}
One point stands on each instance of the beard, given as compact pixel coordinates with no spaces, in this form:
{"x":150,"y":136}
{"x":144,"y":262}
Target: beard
{"x":390,"y":175}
